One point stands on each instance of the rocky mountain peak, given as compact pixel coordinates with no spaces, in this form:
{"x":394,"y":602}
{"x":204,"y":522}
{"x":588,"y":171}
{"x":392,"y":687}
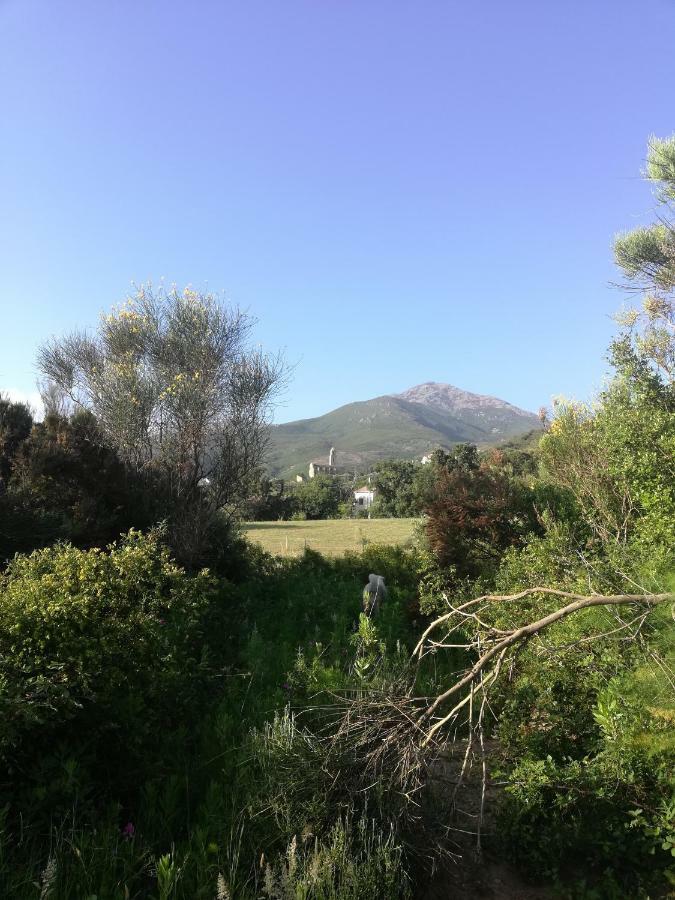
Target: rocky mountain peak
{"x":452,"y":399}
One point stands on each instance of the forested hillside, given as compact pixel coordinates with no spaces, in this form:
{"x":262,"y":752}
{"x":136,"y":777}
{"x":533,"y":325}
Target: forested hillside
{"x":409,"y":425}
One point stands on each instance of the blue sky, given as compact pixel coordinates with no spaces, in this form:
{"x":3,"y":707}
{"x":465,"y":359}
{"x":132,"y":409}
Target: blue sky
{"x":399,"y":191}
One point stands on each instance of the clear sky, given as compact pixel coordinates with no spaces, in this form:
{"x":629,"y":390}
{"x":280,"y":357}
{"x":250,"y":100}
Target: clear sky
{"x":399,"y":191}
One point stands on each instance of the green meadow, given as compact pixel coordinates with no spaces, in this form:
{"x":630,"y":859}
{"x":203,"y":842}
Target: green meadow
{"x":330,"y":537}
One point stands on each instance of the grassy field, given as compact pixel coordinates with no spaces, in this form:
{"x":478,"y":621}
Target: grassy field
{"x":332,"y":537}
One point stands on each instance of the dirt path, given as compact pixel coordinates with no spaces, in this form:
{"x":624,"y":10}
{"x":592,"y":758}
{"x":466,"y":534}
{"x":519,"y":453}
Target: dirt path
{"x":484,"y":879}
{"x":475,"y":876}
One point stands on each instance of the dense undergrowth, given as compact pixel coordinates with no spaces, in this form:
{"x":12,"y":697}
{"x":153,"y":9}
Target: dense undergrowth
{"x":164,"y":733}
{"x":172,"y":733}
{"x":148,"y":742}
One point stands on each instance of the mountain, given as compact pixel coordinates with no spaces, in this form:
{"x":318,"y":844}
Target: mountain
{"x":403,"y":425}
{"x":496,"y":418}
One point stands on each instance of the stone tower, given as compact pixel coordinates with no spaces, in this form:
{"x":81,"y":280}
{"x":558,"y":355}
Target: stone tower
{"x":331,"y":457}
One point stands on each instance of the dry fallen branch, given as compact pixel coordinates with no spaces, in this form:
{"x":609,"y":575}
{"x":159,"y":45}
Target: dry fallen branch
{"x":400,"y":741}
{"x":493,"y":644}
{"x":373,"y":751}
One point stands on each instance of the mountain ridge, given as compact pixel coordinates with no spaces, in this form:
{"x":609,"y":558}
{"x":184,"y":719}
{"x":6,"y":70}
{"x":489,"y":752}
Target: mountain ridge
{"x":434,"y":393}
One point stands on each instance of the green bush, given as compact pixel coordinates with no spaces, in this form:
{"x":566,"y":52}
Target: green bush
{"x":586,"y":729}
{"x":102,"y":654}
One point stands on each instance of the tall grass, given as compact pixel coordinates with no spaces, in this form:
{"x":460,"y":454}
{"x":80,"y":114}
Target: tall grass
{"x":239,"y":806}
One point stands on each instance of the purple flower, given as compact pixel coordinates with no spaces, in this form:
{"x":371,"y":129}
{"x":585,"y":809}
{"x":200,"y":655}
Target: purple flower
{"x":286,"y":686}
{"x":128,"y":831}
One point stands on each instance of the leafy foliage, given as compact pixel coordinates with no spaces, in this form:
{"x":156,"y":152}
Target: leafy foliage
{"x":152,"y":681}
{"x":475,"y":515}
{"x":647,"y":257}
{"x":15,"y":425}
{"x":395,"y":486}
{"x":64,"y":473}
{"x":319,"y":497}
{"x":102,"y":653}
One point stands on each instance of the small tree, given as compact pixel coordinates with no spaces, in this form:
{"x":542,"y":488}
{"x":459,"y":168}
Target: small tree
{"x":462,"y":458}
{"x":319,"y":498}
{"x":647,"y":257}
{"x":617,"y":456}
{"x":65,"y":475}
{"x":394,"y":482}
{"x":15,"y":425}
{"x":475,"y":515}
{"x":182,"y":398}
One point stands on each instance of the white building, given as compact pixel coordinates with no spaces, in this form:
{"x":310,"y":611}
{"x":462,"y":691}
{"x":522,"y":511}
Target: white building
{"x":364,"y":497}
